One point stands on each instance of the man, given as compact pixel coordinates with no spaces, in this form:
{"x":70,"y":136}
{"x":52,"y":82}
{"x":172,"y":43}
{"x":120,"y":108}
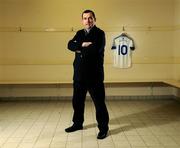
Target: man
{"x":88,"y":45}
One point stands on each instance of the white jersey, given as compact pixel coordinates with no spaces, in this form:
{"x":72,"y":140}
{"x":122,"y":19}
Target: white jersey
{"x":122,"y":47}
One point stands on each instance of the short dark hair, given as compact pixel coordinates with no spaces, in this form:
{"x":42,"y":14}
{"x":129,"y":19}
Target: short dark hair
{"x":89,"y":11}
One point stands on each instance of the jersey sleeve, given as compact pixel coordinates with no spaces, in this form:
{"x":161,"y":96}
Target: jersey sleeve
{"x":113,"y":45}
{"x":132,"y":47}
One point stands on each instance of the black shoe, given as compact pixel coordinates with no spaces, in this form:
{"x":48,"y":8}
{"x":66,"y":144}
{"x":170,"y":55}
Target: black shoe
{"x":102,"y":134}
{"x":73,"y":128}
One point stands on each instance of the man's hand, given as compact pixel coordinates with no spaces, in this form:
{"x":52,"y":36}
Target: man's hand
{"x":86,"y":44}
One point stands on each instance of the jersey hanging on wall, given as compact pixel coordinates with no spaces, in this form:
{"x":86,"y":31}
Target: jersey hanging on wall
{"x":122,"y":49}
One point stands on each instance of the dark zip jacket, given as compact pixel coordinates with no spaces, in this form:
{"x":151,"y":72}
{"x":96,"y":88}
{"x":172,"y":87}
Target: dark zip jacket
{"x":88,"y":63}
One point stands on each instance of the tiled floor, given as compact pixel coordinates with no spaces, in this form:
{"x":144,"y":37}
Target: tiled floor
{"x":133,"y":124}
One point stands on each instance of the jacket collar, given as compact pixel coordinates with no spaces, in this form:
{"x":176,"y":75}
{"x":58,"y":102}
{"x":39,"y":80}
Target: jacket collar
{"x":90,"y":30}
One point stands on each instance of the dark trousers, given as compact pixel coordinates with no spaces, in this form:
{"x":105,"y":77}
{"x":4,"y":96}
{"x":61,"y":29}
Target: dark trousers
{"x":97,"y":93}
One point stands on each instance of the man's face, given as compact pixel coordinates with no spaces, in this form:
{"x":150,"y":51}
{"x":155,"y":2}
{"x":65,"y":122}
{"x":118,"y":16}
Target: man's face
{"x":88,"y":20}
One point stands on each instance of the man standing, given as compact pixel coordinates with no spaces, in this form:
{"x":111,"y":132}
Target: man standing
{"x":88,"y":45}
